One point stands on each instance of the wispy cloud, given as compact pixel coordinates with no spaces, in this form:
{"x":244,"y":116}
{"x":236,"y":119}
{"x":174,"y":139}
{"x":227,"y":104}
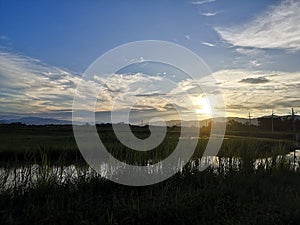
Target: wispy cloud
{"x":249,"y":51}
{"x":255,"y":63}
{"x":3,"y":37}
{"x":276,"y":28}
{"x":202,"y":2}
{"x":27,"y":85}
{"x":209,"y":13}
{"x":188,"y":37}
{"x":258,"y":91}
{"x":208,"y":44}
{"x":127,"y":88}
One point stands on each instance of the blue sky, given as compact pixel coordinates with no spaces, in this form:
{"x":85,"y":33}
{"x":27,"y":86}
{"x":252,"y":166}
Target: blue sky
{"x":72,"y":34}
{"x":237,"y":39}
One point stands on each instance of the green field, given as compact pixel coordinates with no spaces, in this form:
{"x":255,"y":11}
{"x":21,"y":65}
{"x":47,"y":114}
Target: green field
{"x":26,"y":143}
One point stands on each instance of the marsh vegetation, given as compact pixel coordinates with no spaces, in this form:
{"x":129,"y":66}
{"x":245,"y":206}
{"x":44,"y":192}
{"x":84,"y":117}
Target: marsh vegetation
{"x":43,"y":180}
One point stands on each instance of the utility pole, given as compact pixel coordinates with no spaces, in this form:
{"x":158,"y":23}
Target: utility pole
{"x":272,"y":122}
{"x":249,"y":117}
{"x":293,"y":113}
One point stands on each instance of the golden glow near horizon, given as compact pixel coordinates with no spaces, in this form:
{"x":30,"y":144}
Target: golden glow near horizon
{"x":202,"y":106}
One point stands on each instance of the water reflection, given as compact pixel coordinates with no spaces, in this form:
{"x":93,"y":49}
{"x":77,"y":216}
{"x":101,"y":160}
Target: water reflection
{"x":30,"y":175}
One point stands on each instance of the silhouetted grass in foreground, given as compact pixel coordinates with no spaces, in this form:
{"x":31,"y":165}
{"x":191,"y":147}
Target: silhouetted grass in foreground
{"x":265,"y":195}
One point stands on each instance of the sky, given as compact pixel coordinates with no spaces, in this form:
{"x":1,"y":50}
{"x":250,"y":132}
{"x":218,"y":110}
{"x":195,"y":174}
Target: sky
{"x":251,"y":47}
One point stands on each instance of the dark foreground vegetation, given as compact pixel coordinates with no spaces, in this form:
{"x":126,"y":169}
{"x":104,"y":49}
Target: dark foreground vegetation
{"x":236,"y":191}
{"x":262,"y":196}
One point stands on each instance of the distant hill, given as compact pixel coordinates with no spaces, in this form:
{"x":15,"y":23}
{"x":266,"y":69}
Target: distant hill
{"x":35,"y":121}
{"x":287,"y":117}
{"x":30,"y":120}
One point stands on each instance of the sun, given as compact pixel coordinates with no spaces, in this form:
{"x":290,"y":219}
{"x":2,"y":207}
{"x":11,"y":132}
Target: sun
{"x":202,"y":106}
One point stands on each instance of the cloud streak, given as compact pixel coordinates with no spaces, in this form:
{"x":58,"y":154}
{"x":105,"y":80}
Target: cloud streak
{"x":208,"y":44}
{"x":202,"y":2}
{"x":277,"y":28}
{"x":188,"y":37}
{"x":209,"y":13}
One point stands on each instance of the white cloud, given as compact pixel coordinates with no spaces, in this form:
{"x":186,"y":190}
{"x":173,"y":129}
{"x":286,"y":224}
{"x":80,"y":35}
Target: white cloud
{"x":129,"y":88}
{"x":250,"y":51}
{"x":277,"y":28}
{"x":258,"y":91}
{"x":209,"y":13}
{"x":202,"y":2}
{"x":188,"y":37}
{"x":208,"y":44}
{"x":27,"y":85}
{"x":255,"y":63}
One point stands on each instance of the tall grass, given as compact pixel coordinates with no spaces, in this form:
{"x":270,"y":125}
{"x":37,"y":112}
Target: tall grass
{"x":256,"y":196}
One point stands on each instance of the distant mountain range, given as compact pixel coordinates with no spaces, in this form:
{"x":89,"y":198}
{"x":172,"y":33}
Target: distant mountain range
{"x":35,"y":121}
{"x":45,"y":121}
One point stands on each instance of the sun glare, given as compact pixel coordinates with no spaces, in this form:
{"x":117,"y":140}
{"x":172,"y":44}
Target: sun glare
{"x":202,"y":106}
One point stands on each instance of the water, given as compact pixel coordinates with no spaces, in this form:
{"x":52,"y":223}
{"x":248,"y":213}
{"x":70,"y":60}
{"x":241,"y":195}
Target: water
{"x":292,"y":158}
{"x":30,"y":175}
